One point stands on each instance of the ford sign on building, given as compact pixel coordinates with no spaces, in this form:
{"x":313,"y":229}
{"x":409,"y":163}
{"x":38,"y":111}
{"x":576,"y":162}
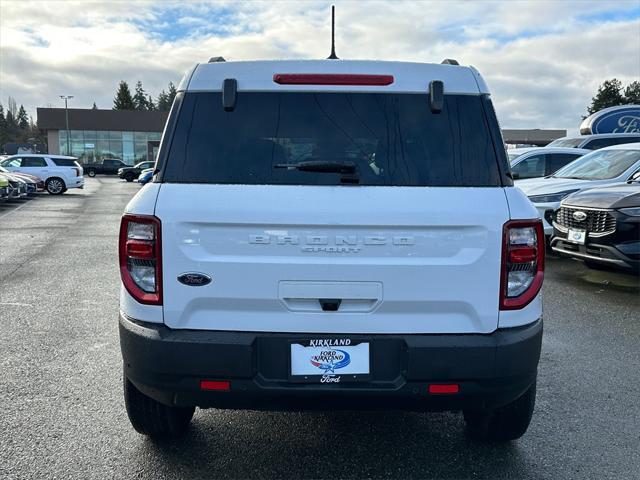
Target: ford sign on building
{"x":621,"y":119}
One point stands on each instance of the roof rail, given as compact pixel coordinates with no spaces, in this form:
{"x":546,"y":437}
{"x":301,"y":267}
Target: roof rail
{"x":449,"y":61}
{"x":216,"y":59}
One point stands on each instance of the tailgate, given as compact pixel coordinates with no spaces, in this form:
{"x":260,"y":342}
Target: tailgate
{"x":332,"y":259}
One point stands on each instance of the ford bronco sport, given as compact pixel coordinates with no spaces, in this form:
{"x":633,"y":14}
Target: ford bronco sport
{"x":331,"y":235}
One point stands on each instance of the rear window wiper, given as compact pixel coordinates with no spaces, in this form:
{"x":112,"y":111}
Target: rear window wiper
{"x":321,"y":166}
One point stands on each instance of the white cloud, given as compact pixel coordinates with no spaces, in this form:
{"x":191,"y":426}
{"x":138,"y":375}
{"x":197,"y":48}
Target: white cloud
{"x":543,"y":60}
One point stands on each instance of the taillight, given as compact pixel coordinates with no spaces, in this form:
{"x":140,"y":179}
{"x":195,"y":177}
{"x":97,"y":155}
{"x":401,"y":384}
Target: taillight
{"x":522,"y":263}
{"x":141,"y":258}
{"x":77,"y":171}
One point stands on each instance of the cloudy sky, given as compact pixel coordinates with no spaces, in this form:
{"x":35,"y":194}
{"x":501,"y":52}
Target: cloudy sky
{"x":543,"y":60}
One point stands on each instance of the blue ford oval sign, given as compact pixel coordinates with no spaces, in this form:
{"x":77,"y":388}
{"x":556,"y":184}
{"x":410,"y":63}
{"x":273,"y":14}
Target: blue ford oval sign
{"x":194,"y":279}
{"x":621,"y":119}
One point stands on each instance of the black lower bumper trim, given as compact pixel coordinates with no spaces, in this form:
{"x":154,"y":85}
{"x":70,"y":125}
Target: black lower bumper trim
{"x":168,"y":365}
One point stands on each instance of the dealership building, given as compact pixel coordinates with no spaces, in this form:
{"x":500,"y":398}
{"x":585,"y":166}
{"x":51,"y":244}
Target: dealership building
{"x":134,"y":136}
{"x":93,"y":135}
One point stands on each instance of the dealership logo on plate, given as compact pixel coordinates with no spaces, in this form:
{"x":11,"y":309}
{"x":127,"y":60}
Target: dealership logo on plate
{"x":330,"y":360}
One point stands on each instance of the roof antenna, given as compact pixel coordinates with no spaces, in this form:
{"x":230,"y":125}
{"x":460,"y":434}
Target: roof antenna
{"x":333,"y":55}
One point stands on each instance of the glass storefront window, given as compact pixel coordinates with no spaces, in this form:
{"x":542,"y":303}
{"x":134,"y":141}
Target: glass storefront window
{"x":77,"y":136}
{"x":115,"y":149}
{"x":94,"y":146}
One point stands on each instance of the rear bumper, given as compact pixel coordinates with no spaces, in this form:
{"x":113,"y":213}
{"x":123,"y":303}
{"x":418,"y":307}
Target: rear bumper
{"x":168,"y":365}
{"x":76,"y":182}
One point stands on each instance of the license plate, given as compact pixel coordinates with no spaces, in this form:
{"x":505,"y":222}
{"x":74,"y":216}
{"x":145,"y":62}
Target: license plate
{"x":329,"y":361}
{"x":577,"y":236}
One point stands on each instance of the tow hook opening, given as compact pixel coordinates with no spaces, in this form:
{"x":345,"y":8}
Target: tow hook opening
{"x":330,"y":304}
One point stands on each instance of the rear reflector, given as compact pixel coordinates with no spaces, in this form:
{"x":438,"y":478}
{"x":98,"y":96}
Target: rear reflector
{"x":444,"y":388}
{"x":331,"y":79}
{"x":220,"y":386}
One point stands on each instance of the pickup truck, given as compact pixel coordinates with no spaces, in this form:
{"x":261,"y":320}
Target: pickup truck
{"x":131,"y":173}
{"x":108,"y":166}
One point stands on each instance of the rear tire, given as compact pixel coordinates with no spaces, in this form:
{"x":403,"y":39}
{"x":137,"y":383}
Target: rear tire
{"x":505,"y":423}
{"x":55,"y":186}
{"x":129,"y":177}
{"x":91,"y":172}
{"x":152,"y":418}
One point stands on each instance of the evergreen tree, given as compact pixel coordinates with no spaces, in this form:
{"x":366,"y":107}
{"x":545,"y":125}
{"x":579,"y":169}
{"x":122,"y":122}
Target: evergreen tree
{"x":609,"y":95}
{"x":3,"y":127}
{"x":632,"y":93}
{"x":23,"y":119}
{"x":11,"y":121}
{"x":95,"y":107}
{"x":123,"y":99}
{"x":150,"y":104}
{"x":140,"y":97}
{"x":163,"y":102}
{"x":171,"y":95}
{"x":3,"y":120}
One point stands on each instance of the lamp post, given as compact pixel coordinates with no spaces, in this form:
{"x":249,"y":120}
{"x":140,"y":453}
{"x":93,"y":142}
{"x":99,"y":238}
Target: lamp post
{"x":66,"y":114}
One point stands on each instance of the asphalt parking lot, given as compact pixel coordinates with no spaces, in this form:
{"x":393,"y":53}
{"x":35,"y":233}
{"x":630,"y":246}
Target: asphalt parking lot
{"x":62,"y":413}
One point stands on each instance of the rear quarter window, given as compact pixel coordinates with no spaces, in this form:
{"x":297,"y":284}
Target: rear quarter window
{"x":393,"y":139}
{"x":65,"y":162}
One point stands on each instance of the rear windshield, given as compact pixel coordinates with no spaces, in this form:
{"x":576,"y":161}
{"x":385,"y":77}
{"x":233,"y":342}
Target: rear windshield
{"x":388,"y":139}
{"x":65,"y":162}
{"x":566,"y":142}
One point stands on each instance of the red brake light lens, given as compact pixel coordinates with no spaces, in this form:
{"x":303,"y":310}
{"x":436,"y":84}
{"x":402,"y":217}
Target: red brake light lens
{"x":522,"y":269}
{"x":216,"y":385}
{"x":140,"y":258}
{"x":142,"y":249}
{"x":332,"y":79}
{"x":444,"y":389}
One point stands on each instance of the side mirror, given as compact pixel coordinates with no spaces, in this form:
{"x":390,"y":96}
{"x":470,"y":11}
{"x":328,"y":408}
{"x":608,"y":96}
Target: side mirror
{"x":436,"y":95}
{"x":229,"y":94}
{"x":515,"y":175}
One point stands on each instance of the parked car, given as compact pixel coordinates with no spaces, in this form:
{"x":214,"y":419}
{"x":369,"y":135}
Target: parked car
{"x":109,"y":166}
{"x":4,"y":189}
{"x":17,"y":186}
{"x":131,"y":173}
{"x":32,"y":183}
{"x":58,"y":172}
{"x":541,"y":161}
{"x":606,"y":166}
{"x":254,"y":278}
{"x":597,"y":141}
{"x":601,"y":226}
{"x":145,"y":176}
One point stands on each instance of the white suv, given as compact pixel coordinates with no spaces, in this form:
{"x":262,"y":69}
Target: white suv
{"x":58,"y":172}
{"x":330,"y":235}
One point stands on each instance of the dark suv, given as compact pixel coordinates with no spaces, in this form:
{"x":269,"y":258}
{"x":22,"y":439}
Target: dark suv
{"x":610,"y":216}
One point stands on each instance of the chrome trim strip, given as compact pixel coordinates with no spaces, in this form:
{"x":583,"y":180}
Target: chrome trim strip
{"x":586,"y":256}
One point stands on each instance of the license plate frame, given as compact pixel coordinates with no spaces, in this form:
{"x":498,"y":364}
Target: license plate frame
{"x":352,"y":372}
{"x":579,"y":237}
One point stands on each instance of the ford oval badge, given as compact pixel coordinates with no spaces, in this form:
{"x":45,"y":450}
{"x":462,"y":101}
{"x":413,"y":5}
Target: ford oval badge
{"x":194,"y":279}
